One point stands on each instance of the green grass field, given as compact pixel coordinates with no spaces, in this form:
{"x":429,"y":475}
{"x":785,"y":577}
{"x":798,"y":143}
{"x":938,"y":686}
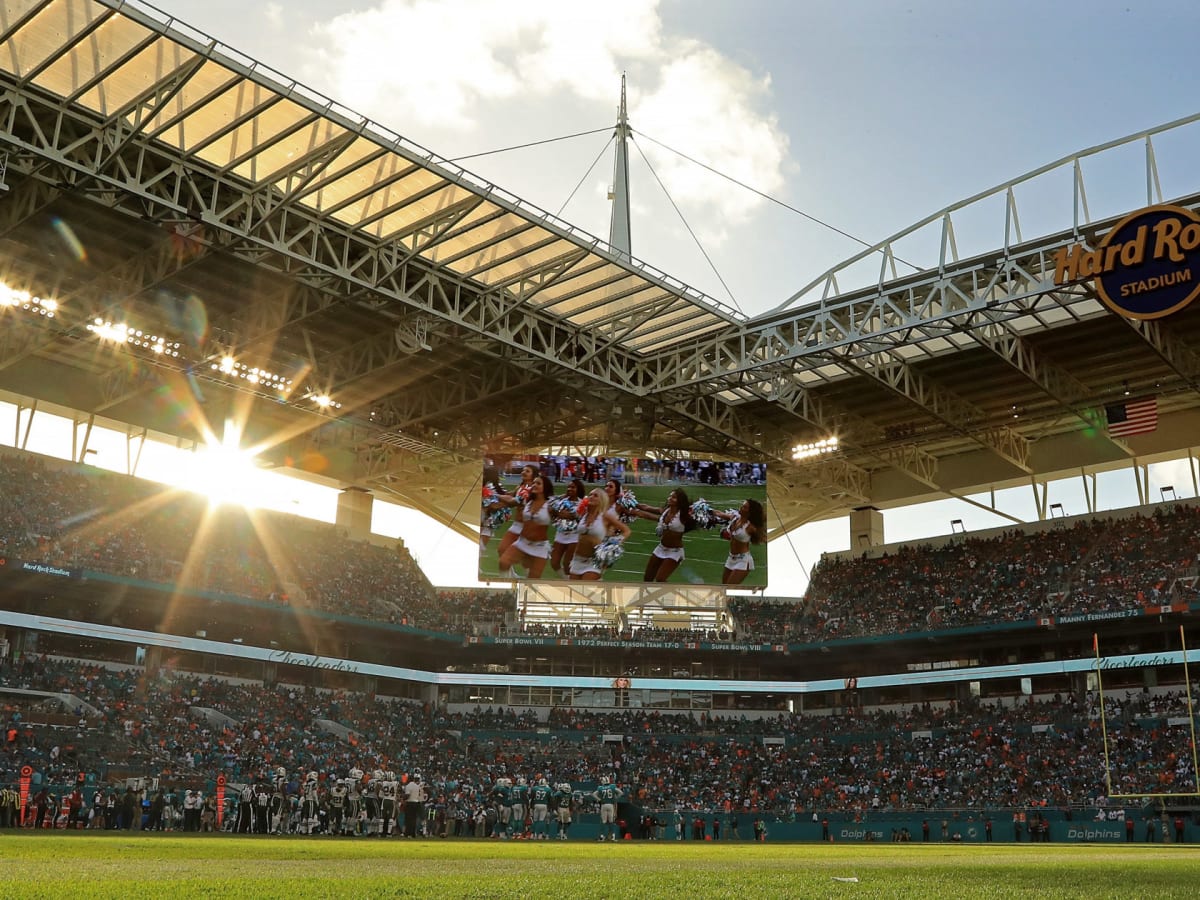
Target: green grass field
{"x":122,"y":865}
{"x":705,"y":550}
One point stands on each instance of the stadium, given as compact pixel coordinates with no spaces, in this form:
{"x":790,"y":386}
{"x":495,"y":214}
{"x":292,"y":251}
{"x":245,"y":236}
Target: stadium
{"x":189,"y":239}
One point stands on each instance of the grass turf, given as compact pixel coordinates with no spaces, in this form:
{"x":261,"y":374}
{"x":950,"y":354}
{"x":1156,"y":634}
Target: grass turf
{"x":705,"y":550}
{"x":115,"y":864}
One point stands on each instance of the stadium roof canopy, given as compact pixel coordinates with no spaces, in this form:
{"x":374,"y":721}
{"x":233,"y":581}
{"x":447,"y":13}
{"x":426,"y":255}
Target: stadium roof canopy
{"x":382,"y":318}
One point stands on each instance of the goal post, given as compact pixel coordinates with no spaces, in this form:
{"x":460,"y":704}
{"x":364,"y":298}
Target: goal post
{"x":1191,"y":716}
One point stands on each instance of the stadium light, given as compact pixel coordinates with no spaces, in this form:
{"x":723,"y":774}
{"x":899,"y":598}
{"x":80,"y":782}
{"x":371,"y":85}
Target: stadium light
{"x":325,"y":401}
{"x":107,"y":331}
{"x":1165,"y":490}
{"x":815,"y":448}
{"x":11,"y":298}
{"x":123,"y":333}
{"x":258,"y":375}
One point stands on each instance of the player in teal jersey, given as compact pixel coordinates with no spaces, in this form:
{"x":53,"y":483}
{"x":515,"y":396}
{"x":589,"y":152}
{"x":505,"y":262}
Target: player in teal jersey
{"x":540,"y":800}
{"x":502,"y":798}
{"x":608,"y":794}
{"x":520,"y":806}
{"x":563,"y":800}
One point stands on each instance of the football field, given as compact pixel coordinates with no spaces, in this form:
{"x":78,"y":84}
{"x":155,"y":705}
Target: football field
{"x":705,"y":550}
{"x":111,"y":864}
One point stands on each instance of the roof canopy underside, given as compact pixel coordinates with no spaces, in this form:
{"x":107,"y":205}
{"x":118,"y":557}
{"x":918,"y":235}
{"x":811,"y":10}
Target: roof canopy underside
{"x":148,"y":172}
{"x":171,"y":85}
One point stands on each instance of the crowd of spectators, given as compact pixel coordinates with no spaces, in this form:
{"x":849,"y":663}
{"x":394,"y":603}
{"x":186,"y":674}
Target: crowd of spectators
{"x":76,"y":517}
{"x":973,"y":755}
{"x":1090,"y":566}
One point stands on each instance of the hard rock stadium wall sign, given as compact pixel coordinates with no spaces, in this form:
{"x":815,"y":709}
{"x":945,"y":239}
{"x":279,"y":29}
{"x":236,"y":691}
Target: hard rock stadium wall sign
{"x":1147,"y":267}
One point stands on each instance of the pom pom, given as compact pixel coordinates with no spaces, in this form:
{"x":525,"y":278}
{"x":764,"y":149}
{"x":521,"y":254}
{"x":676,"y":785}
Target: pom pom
{"x":609,"y":551}
{"x":626,"y":506}
{"x":565,"y":520}
{"x":702,"y":514}
{"x":493,"y":518}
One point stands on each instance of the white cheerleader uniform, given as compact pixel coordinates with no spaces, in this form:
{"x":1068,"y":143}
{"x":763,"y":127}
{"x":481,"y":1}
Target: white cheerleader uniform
{"x":537,"y":549}
{"x":739,"y":562}
{"x":585,"y":565}
{"x":676,"y":526}
{"x":522,"y":495}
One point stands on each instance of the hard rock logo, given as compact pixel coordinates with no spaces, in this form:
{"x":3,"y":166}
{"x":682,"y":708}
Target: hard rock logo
{"x":1147,"y":267}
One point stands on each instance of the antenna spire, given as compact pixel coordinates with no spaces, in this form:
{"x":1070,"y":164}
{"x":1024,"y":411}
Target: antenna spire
{"x":618,"y":229}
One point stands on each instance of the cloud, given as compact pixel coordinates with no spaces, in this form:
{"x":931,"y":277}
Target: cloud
{"x":455,"y":67}
{"x":706,"y":106}
{"x":1176,"y":473}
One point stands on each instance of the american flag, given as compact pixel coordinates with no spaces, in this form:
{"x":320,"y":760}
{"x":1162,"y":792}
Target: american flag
{"x":1134,"y":417}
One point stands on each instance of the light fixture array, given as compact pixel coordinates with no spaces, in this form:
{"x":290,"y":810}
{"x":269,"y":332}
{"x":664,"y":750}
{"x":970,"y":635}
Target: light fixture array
{"x":815,"y":448}
{"x":10,"y":298}
{"x":123,"y":333}
{"x":325,"y":401}
{"x":252,"y":374}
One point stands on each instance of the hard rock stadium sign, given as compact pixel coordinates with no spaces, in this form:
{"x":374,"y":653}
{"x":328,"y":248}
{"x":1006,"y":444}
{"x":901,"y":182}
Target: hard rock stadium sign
{"x":1146,"y":267}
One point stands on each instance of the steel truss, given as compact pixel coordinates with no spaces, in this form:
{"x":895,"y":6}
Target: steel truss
{"x":693,"y":392}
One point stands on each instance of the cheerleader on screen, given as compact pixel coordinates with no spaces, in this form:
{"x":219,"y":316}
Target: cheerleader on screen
{"x":747,"y":526}
{"x":674,"y":521}
{"x":596,"y":522}
{"x":532,"y":548}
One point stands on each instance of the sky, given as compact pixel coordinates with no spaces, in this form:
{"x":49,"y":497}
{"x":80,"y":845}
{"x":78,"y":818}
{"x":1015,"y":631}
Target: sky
{"x":867,"y":116}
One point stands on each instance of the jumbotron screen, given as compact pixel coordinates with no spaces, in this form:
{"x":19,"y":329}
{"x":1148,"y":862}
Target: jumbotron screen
{"x":623,"y":520}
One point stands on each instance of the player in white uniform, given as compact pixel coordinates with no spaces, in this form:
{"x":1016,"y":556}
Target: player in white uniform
{"x":338,"y":799}
{"x":354,"y":802}
{"x":279,"y":805}
{"x":371,"y":799}
{"x":596,"y":521}
{"x":389,"y":807}
{"x":309,"y":804}
{"x":532,"y":548}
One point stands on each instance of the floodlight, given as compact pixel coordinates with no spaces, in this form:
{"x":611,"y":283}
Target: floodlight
{"x":815,"y":448}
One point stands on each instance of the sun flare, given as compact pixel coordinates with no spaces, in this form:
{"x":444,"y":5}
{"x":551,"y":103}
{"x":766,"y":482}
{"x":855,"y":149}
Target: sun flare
{"x":224,"y":471}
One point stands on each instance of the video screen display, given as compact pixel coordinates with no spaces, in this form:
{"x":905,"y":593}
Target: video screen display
{"x":623,"y":520}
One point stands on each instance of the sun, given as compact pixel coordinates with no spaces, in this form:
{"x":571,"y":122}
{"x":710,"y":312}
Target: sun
{"x":223,"y":470}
